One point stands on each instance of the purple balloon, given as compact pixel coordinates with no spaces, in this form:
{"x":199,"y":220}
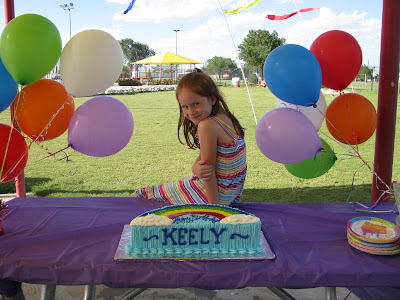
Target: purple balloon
{"x":100,"y":127}
{"x":286,"y":136}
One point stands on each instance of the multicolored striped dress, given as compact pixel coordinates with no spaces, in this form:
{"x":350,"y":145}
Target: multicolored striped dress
{"x":230,"y":167}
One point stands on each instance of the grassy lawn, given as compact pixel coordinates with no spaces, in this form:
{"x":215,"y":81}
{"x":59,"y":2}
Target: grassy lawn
{"x":154,"y":155}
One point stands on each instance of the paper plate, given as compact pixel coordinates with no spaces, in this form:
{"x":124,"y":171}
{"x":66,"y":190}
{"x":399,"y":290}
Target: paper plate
{"x":373,"y":230}
{"x":383,"y":246}
{"x":371,"y":250}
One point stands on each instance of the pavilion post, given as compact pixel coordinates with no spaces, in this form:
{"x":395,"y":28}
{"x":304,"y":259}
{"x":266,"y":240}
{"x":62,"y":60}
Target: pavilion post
{"x":19,"y":181}
{"x":387,"y":97}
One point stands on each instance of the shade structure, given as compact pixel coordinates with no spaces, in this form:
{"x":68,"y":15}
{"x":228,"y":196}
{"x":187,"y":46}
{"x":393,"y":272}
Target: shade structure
{"x":166,"y":58}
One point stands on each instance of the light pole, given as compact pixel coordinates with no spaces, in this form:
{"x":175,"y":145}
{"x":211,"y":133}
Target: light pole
{"x":68,"y":6}
{"x":176,"y":40}
{"x":176,"y":50}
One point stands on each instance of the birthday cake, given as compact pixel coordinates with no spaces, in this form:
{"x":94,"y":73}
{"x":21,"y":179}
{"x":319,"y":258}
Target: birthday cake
{"x":195,"y":230}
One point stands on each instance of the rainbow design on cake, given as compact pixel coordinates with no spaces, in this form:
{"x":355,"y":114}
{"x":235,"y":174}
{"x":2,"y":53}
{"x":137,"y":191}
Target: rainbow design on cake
{"x":217,"y":211}
{"x":199,"y":230}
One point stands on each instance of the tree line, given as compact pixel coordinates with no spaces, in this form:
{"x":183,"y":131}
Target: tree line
{"x":253,"y":51}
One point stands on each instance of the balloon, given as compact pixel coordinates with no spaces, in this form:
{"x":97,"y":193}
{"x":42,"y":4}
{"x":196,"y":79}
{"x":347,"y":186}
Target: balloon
{"x":8,"y":88}
{"x":351,"y":118}
{"x":100,"y":127}
{"x":30,"y":46}
{"x":315,"y":114}
{"x":13,"y":147}
{"x":340,"y":58}
{"x":286,"y":136}
{"x":314,"y":166}
{"x":293,"y":74}
{"x":91,"y":62}
{"x":44,"y":109}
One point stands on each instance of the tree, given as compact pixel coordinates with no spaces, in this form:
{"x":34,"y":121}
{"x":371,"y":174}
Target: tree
{"x":257,"y":45}
{"x":218,"y":64}
{"x":134,"y":51}
{"x":365,"y":73}
{"x":165,"y":69}
{"x":125,"y":72}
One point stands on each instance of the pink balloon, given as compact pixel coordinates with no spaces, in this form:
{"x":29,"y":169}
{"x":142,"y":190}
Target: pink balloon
{"x":286,"y":136}
{"x":100,"y":127}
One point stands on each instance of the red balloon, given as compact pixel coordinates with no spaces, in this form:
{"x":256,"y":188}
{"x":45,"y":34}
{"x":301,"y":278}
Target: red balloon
{"x":351,"y":118}
{"x":13,"y":147}
{"x":339,"y":56}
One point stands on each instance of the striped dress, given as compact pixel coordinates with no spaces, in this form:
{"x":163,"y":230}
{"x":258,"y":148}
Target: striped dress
{"x":230,"y":167}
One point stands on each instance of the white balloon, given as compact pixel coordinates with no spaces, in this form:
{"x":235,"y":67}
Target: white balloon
{"x":90,"y":62}
{"x":315,"y":114}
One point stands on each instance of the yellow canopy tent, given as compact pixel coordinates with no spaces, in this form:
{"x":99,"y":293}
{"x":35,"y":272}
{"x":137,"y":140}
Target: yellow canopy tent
{"x":166,"y":58}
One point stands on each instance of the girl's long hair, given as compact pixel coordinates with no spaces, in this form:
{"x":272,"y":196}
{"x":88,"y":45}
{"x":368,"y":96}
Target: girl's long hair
{"x":201,"y":84}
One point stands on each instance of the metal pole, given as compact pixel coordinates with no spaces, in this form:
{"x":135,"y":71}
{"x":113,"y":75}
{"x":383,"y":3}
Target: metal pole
{"x":176,"y":52}
{"x":387,"y":97}
{"x":68,"y":6}
{"x":176,"y":41}
{"x":69,"y":13}
{"x":19,"y":181}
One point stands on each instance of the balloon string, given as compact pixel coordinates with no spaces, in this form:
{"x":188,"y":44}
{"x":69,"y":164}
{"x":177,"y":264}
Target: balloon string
{"x":351,"y":120}
{"x":46,"y":128}
{"x":240,"y":63}
{"x":348,"y":143}
{"x":9,"y":136}
{"x":15,"y":117}
{"x":339,"y":144}
{"x":54,"y":154}
{"x":357,"y":152}
{"x":36,"y":139}
{"x":50,"y":154}
{"x":5,"y":153}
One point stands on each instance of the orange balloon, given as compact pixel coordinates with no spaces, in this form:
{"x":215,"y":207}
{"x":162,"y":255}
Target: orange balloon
{"x":351,"y":118}
{"x":44,"y":109}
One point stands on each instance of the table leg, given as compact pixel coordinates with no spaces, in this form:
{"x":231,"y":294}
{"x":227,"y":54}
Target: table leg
{"x":18,"y":296}
{"x":90,"y":292}
{"x":131,"y":294}
{"x":48,"y":292}
{"x":281,"y":293}
{"x":330,"y":293}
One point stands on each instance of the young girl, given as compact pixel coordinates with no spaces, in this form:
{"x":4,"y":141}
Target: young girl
{"x":219,"y":171}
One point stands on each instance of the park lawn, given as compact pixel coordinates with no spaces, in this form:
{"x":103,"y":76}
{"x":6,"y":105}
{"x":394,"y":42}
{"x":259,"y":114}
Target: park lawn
{"x":154,"y":155}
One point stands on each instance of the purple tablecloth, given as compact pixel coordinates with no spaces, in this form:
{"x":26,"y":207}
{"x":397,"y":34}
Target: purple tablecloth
{"x":72,"y":241}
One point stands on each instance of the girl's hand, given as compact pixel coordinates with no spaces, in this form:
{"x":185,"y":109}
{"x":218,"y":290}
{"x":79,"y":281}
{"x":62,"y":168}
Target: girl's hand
{"x":203,"y":171}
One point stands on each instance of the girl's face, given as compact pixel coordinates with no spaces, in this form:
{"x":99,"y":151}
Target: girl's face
{"x":194,"y":107}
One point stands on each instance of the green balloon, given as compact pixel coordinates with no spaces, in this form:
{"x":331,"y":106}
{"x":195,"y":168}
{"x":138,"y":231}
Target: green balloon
{"x":314,"y":166}
{"x":30,"y":46}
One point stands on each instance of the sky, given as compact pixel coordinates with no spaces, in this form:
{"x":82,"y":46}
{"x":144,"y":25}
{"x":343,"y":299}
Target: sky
{"x":204,"y":32}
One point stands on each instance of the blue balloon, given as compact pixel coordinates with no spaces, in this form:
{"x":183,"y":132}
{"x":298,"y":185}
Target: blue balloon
{"x":293,"y":74}
{"x":8,"y":88}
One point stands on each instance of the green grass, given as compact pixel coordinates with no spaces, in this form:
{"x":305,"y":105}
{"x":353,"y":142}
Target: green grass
{"x":154,"y":155}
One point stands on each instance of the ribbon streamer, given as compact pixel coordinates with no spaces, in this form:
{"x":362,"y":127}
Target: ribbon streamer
{"x":129,"y":7}
{"x":284,"y":17}
{"x":239,"y":9}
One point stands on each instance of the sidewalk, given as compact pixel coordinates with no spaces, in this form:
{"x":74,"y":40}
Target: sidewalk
{"x":33,"y":291}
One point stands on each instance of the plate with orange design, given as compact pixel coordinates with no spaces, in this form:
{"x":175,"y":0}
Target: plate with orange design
{"x":373,"y":230}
